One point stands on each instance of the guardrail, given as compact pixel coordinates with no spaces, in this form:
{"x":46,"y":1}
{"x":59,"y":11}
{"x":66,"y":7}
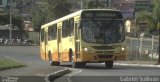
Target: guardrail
{"x":143,"y":48}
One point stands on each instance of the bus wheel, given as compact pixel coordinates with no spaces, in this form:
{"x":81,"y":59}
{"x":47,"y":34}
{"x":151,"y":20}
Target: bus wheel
{"x":82,"y":64}
{"x":51,"y":62}
{"x":50,"y":59}
{"x":75,"y":64}
{"x":56,"y":63}
{"x":109,"y":64}
{"x":78,"y":64}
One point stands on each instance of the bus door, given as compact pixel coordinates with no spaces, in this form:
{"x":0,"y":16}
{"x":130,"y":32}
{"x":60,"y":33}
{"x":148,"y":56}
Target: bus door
{"x":77,"y":40}
{"x":59,"y":42}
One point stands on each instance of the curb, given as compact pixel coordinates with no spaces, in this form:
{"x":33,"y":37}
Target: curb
{"x":55,"y":75}
{"x":140,"y":65}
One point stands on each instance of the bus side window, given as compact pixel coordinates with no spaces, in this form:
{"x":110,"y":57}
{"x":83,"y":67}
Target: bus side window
{"x":42,"y":35}
{"x":49,"y":33}
{"x":54,"y":32}
{"x":65,"y":28}
{"x":71,"y":26}
{"x":77,"y":24}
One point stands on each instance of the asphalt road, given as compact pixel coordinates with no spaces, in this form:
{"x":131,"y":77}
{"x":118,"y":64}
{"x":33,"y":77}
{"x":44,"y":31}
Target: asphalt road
{"x":92,"y":72}
{"x":98,"y":73}
{"x":25,"y":54}
{"x":30,"y":56}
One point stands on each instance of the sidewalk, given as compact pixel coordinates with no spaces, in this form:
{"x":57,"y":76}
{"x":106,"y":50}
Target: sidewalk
{"x":31,"y":71}
{"x":137,"y":63}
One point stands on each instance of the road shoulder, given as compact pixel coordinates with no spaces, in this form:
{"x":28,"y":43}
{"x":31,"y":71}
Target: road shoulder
{"x":137,"y":63}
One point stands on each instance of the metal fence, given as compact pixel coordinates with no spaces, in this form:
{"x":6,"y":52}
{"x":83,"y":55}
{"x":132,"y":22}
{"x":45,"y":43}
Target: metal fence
{"x":145,"y":49}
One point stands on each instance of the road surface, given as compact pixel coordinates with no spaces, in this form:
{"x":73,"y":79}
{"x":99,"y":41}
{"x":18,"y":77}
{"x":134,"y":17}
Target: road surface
{"x":91,"y":73}
{"x":98,"y":73}
{"x":30,"y":56}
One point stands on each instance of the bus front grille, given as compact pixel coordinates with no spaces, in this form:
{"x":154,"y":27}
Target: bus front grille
{"x":103,"y":47}
{"x":104,"y":52}
{"x":105,"y":56}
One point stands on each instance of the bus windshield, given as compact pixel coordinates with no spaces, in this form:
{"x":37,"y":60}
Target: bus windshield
{"x":103,"y":31}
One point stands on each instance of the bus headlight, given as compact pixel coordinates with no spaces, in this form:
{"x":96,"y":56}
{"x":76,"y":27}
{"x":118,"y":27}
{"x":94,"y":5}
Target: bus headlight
{"x":85,"y":49}
{"x":122,"y":49}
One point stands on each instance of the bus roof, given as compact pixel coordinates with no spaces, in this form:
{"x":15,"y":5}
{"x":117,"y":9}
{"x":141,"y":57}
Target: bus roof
{"x":72,"y":15}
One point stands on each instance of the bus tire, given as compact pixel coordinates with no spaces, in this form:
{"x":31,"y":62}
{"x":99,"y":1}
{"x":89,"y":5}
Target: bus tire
{"x":50,"y":59}
{"x":70,"y":55}
{"x":56,"y":63}
{"x":82,"y":64}
{"x":109,"y":64}
{"x":75,"y":64}
{"x":51,"y":62}
{"x":78,"y":64}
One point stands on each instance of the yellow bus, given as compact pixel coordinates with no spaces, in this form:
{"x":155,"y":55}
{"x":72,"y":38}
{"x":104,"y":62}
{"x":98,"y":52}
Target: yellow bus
{"x":86,"y":36}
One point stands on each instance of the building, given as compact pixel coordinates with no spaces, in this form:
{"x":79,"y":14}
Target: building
{"x":21,"y":8}
{"x":143,"y":5}
{"x":125,"y":6}
{"x":1,"y":7}
{"x":1,"y":10}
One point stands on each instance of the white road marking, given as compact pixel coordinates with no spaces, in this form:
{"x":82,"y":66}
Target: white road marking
{"x":40,"y":74}
{"x":72,"y":74}
{"x":140,"y":65}
{"x":57,"y":71}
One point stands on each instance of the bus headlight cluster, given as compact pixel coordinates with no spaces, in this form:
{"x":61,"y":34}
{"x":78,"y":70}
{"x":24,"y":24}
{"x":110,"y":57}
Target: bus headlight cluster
{"x":122,"y":48}
{"x":85,"y":49}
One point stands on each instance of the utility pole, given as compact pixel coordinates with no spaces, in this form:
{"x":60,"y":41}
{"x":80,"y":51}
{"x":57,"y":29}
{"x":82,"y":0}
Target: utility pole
{"x":10,"y":29}
{"x":107,"y":4}
{"x":82,"y":6}
{"x":159,"y":42}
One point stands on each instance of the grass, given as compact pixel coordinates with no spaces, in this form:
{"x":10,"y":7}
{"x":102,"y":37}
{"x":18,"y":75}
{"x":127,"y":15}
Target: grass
{"x":6,"y":63}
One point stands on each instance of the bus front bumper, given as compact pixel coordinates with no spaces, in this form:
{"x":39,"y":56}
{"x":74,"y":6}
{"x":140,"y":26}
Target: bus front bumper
{"x":102,"y":58}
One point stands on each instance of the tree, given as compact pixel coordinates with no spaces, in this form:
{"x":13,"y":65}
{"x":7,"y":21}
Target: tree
{"x":39,"y":16}
{"x":50,"y":11}
{"x":156,"y":15}
{"x":16,"y":21}
{"x":58,"y":8}
{"x":156,"y":12}
{"x":145,"y":17}
{"x":94,"y":4}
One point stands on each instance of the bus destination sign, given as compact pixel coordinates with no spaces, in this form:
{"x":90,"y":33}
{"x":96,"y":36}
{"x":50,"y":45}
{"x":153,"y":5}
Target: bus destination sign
{"x":101,"y":15}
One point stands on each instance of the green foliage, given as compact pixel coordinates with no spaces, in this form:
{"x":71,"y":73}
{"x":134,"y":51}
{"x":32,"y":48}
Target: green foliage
{"x":8,"y":64}
{"x":16,"y":20}
{"x":58,"y":8}
{"x":54,"y":9}
{"x":39,"y":16}
{"x":94,"y":5}
{"x":151,"y":18}
{"x":145,"y":17}
{"x":156,"y":12}
{"x":158,"y":25}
